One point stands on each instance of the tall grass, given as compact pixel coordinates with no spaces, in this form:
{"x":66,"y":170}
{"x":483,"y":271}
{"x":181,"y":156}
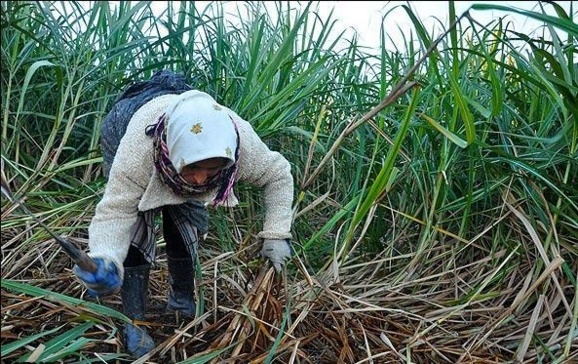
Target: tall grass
{"x":436,"y":217}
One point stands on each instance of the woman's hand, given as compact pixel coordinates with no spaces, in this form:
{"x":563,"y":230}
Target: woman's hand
{"x":278,"y":251}
{"x":102,"y":282}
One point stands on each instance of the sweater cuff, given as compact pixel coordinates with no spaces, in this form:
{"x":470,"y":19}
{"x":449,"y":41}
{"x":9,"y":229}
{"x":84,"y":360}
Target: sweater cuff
{"x":274,"y":235}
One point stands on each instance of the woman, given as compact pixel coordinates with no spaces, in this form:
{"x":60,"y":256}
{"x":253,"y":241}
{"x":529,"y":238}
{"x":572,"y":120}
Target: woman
{"x":171,"y":150}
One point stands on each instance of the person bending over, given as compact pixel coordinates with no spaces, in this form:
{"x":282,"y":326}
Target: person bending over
{"x":171,"y":150}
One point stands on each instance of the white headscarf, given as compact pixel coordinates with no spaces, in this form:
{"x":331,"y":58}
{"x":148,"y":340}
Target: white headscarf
{"x":198,"y":128}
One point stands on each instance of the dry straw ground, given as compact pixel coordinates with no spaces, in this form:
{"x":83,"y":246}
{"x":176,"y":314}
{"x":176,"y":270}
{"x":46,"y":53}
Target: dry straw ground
{"x":350,"y":314}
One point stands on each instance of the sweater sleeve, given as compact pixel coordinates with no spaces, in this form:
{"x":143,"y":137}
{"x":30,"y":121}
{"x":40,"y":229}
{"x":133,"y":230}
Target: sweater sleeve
{"x":111,"y":229}
{"x":269,"y":170}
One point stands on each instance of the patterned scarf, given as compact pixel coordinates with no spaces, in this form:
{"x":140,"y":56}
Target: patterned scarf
{"x":223,"y":181}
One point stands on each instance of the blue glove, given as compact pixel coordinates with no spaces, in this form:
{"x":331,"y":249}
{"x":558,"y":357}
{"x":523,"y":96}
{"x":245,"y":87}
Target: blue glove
{"x":103,"y":282}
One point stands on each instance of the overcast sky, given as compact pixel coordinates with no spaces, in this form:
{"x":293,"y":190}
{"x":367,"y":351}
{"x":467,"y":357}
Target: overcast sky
{"x":366,"y":16}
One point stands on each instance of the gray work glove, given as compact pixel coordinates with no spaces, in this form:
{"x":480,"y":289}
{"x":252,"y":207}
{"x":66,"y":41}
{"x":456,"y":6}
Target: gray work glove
{"x":277,"y":251}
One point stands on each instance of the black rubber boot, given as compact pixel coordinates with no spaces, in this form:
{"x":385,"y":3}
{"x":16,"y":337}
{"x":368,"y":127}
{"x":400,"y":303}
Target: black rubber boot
{"x":182,"y":285}
{"x":134,"y":294}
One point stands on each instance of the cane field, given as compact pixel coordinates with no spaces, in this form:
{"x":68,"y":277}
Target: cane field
{"x":436,"y":184}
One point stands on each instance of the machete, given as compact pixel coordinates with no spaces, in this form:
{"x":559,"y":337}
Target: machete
{"x":78,"y":256}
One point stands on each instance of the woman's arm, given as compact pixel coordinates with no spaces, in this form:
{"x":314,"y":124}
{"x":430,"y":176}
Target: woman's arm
{"x":269,"y":170}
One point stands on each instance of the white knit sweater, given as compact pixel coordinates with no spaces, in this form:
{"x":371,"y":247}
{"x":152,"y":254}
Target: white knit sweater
{"x":134,"y":185}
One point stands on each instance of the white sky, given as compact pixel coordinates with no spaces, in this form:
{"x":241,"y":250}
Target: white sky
{"x":366,"y":16}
